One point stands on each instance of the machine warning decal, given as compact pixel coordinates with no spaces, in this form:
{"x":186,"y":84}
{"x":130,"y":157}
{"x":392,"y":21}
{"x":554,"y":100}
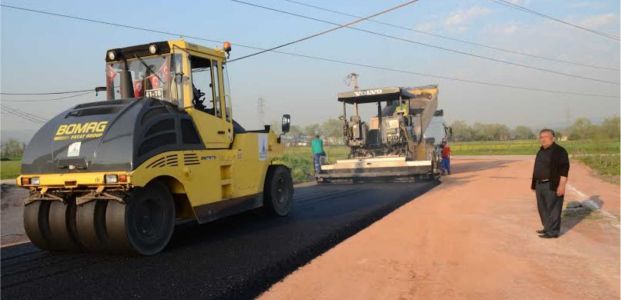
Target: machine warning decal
{"x":74,"y":149}
{"x":262,"y":146}
{"x":79,"y":131}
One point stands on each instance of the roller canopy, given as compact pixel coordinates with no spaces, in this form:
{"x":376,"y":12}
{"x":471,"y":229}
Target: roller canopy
{"x":387,"y":94}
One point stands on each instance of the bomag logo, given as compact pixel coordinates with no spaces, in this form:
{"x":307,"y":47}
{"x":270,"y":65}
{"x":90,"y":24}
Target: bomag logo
{"x":79,"y":131}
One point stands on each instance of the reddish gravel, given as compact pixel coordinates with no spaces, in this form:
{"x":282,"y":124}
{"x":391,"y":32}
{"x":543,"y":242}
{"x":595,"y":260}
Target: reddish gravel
{"x":473,"y":237}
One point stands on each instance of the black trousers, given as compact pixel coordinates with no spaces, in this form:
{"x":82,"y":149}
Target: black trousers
{"x":550,"y":207}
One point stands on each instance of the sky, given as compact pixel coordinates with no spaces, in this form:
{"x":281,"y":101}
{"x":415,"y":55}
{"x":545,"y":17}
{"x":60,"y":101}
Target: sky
{"x":45,"y":53}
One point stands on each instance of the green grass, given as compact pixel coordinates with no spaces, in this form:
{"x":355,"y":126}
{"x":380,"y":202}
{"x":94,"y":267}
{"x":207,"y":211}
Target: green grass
{"x":606,"y":165}
{"x":10,"y":168}
{"x":301,"y":161}
{"x":600,"y":155}
{"x":530,"y":147}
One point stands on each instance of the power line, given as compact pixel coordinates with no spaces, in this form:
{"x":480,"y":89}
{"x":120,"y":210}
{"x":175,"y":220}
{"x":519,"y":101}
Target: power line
{"x":22,"y":114}
{"x":445,"y":37}
{"x":22,"y":117}
{"x":534,"y":12}
{"x":46,"y":93}
{"x":486,"y":83}
{"x":43,"y":12}
{"x":339,"y":26}
{"x":430,"y":45}
{"x":325,"y":59}
{"x":47,"y":100}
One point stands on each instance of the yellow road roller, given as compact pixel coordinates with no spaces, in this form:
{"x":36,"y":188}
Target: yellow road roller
{"x":117,"y":175}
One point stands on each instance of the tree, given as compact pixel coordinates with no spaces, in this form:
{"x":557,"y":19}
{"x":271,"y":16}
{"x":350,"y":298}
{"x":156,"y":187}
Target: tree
{"x":500,"y":132}
{"x":312,"y":130}
{"x":522,"y":132}
{"x":481,"y":132}
{"x":12,"y":149}
{"x":332,"y":128}
{"x":610,"y":127}
{"x":581,"y":129}
{"x":295,"y":130}
{"x":461,"y":131}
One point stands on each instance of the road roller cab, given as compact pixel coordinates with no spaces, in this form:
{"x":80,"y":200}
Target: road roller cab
{"x":116,"y":175}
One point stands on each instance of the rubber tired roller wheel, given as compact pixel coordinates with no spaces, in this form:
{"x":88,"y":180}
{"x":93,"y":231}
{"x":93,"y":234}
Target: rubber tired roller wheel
{"x":143,"y":224}
{"x":279,"y":191}
{"x":36,"y":223}
{"x":62,"y":226}
{"x":91,"y":225}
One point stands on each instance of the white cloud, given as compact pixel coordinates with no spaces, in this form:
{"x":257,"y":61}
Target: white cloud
{"x":509,"y":29}
{"x":597,"y":21}
{"x":427,"y":26}
{"x":587,"y":4}
{"x":464,"y":16}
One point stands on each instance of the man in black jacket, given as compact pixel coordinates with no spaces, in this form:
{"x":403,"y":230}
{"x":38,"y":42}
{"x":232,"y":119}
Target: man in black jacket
{"x":549,"y":180}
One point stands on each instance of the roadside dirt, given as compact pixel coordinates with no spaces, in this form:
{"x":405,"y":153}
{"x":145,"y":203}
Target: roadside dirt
{"x":12,"y":203}
{"x":473,"y":237}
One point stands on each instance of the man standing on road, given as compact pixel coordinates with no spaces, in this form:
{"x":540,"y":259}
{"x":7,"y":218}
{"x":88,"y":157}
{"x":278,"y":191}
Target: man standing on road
{"x":446,"y":157}
{"x":318,"y":152}
{"x":549,"y":180}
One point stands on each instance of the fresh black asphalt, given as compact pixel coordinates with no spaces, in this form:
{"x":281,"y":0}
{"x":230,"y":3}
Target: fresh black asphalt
{"x":234,"y":258}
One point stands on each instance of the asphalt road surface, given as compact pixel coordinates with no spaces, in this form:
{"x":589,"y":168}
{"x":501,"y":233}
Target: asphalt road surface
{"x":236,"y":257}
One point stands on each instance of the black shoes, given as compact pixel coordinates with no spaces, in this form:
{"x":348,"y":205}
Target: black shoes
{"x":544,"y":235}
{"x":548,"y":236}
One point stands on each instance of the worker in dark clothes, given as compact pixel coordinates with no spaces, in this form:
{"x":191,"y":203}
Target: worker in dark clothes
{"x":549,"y":181}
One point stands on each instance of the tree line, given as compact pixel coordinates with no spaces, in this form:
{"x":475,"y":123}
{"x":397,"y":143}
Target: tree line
{"x":332,"y":129}
{"x":11,"y":149}
{"x":581,"y":129}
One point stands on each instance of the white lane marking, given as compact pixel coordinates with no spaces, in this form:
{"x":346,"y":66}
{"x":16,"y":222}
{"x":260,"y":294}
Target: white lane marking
{"x":585,"y":197}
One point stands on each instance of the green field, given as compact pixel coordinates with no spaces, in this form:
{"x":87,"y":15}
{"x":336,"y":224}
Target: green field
{"x":10,"y":168}
{"x":607,"y":165}
{"x":530,"y":147}
{"x":601,"y":155}
{"x":301,"y":161}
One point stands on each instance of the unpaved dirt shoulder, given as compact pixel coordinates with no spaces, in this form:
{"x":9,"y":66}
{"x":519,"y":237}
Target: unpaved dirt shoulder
{"x":12,"y":204}
{"x":473,"y":237}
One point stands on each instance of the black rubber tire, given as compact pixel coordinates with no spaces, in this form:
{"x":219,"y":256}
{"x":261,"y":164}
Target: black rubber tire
{"x":278,"y":191}
{"x":62,"y":226}
{"x":143,"y":224}
{"x":36,"y":224}
{"x":91,"y":225}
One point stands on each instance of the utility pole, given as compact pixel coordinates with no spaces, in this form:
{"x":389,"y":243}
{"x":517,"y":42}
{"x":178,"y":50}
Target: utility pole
{"x":261,"y":110}
{"x":352,"y":80}
{"x":567,"y":114}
